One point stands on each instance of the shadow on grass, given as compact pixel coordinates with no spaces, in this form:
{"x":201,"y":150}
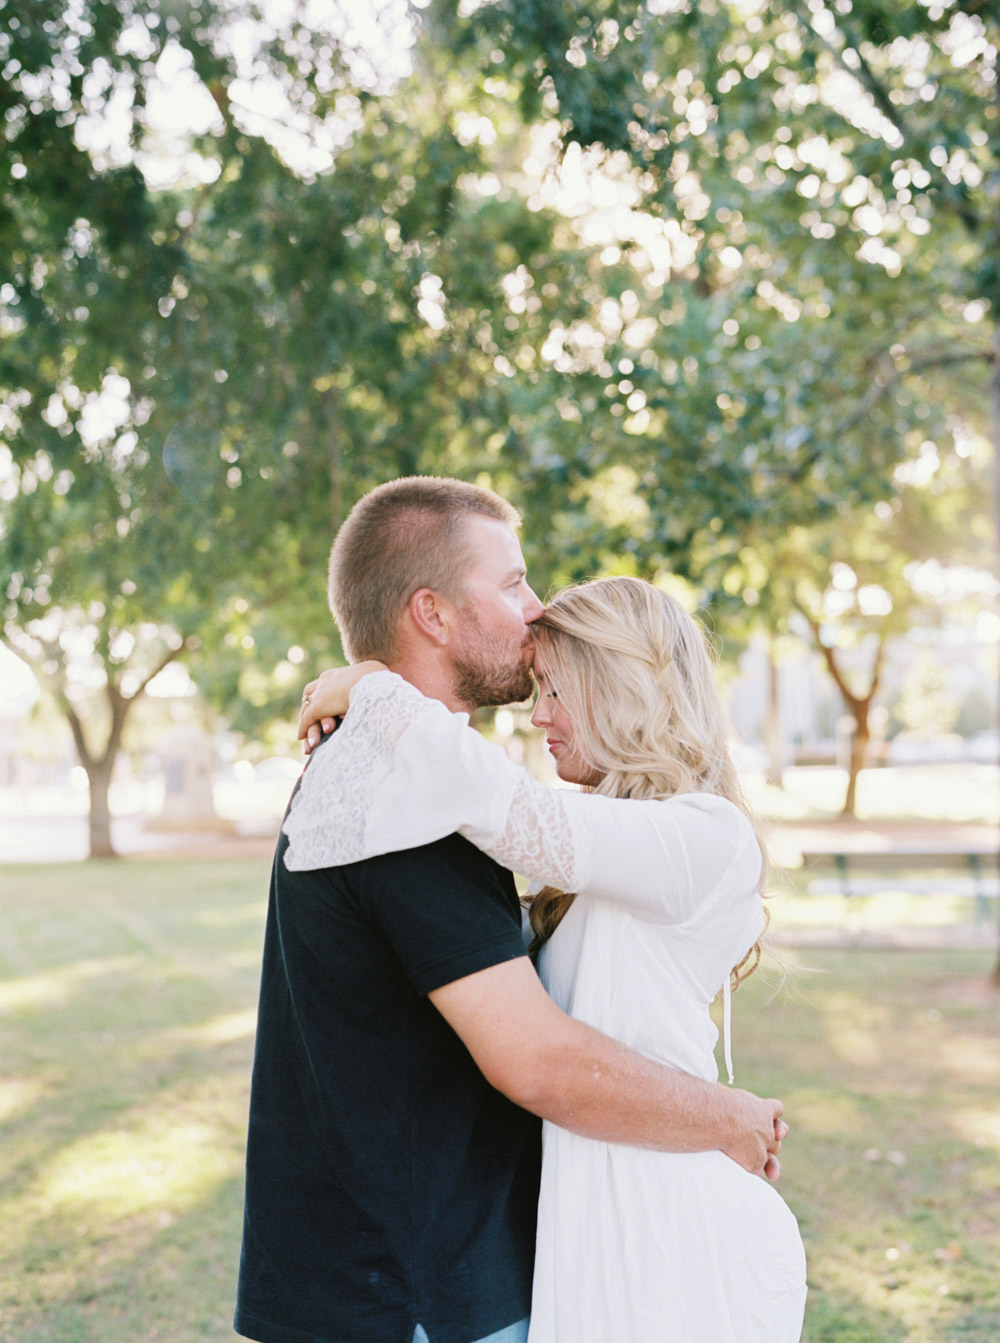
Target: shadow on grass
{"x":167,"y":1284}
{"x":118,"y":1042}
{"x":125,"y":1101}
{"x":130,"y":993}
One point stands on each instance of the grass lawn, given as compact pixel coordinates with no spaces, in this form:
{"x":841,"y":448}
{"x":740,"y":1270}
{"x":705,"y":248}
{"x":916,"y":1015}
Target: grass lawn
{"x":127,"y":999}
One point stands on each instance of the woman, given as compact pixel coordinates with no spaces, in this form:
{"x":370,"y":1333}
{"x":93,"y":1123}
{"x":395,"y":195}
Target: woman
{"x":650,"y":897}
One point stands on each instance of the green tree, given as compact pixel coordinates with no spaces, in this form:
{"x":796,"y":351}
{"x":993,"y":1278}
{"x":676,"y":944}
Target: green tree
{"x":858,"y":582}
{"x":763,"y":297}
{"x":810,"y":197}
{"x":809,"y":202}
{"x":108,"y":567}
{"x":210,"y":347}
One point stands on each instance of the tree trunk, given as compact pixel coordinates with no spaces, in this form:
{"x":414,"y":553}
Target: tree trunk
{"x":995,"y":427}
{"x":859,"y":706}
{"x":99,"y":778}
{"x":860,"y":738}
{"x":775,"y":773}
{"x":100,"y":767}
{"x":99,"y":764}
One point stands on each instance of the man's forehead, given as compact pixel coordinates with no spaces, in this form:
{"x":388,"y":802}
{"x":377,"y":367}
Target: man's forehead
{"x":494,"y":543}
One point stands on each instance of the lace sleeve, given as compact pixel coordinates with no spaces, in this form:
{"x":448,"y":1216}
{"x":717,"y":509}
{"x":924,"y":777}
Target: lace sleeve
{"x":403,"y":771}
{"x":328,"y":821}
{"x":535,"y":835}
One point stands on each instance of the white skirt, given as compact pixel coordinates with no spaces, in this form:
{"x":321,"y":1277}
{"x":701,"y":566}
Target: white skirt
{"x":651,"y":1247}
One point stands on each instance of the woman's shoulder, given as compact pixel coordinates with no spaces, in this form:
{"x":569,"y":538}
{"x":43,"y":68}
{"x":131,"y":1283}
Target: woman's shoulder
{"x":718,"y":809}
{"x":718,"y":832}
{"x":689,"y":818}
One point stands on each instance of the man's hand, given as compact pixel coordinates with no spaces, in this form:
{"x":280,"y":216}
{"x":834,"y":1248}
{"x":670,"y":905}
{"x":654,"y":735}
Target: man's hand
{"x":758,"y":1132}
{"x":327,"y":698}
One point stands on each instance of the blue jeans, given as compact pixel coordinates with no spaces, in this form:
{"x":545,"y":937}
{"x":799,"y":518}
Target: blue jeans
{"x":514,"y":1333}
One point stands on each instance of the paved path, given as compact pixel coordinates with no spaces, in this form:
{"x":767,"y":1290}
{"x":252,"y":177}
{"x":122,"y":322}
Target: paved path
{"x":64,"y":839}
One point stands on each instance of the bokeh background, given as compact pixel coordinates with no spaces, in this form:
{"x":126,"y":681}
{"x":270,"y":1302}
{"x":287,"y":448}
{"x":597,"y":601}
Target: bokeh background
{"x":710,"y":291}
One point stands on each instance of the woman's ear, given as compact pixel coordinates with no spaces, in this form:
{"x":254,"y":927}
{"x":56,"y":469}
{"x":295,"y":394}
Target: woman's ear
{"x":429,"y":615}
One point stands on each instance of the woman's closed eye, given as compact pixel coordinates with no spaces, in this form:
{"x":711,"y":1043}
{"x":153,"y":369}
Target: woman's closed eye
{"x":545,"y":689}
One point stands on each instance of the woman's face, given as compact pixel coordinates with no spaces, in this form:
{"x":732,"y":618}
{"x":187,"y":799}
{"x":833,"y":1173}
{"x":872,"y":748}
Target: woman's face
{"x":550,"y":714}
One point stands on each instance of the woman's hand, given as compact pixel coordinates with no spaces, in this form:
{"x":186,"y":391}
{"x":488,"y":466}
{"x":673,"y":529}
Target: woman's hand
{"x":328,"y":697}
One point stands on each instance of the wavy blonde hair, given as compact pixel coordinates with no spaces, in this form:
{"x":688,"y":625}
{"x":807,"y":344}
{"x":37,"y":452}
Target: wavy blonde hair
{"x":636,"y":676}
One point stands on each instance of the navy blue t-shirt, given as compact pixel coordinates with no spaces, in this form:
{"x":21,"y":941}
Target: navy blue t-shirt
{"x":388,"y":1184}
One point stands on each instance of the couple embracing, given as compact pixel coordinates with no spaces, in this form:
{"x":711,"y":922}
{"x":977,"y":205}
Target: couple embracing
{"x":399,"y":1186}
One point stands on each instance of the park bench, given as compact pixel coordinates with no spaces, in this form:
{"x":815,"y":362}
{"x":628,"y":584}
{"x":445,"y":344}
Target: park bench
{"x":903,"y":856}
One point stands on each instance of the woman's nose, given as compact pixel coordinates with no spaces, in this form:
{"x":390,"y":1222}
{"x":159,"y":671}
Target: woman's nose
{"x":539,"y":716}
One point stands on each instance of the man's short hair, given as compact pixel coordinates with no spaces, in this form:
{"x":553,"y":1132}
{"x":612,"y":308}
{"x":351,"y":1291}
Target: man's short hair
{"x":404,"y":535}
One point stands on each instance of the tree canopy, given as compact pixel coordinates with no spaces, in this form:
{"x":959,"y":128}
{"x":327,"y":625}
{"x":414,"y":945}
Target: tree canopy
{"x":809,"y":196}
{"x":677,"y":278}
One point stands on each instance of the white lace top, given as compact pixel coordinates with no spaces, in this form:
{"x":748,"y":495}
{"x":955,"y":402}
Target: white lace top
{"x":403,"y":771}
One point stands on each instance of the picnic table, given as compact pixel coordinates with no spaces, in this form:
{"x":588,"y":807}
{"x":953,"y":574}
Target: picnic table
{"x":866,"y":861}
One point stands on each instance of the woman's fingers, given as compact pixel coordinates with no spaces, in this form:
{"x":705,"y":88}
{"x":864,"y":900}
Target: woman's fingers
{"x":315,"y":733}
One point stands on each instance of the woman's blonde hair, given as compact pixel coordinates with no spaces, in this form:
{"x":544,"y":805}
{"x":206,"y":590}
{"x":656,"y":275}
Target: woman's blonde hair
{"x":636,"y":676}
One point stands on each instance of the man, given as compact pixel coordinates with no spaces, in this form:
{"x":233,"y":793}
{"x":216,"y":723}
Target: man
{"x":404,"y":1041}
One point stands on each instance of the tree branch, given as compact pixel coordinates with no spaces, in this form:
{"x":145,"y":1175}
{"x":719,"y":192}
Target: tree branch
{"x":856,"y":702}
{"x":171,"y":656}
{"x":917,"y":364}
{"x":87,"y":760}
{"x":865,"y":76}
{"x":829,"y":657}
{"x":876,"y":90}
{"x":877,"y":666}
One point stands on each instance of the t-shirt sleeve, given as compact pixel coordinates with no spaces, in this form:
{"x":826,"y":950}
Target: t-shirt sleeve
{"x":446,"y":910}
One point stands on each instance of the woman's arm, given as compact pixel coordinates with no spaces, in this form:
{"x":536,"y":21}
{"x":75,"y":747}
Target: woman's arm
{"x":327,"y":698}
{"x":421,"y":772}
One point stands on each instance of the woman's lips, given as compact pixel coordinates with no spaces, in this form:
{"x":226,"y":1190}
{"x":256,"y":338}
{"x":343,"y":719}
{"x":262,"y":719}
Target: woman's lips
{"x":554,"y":745}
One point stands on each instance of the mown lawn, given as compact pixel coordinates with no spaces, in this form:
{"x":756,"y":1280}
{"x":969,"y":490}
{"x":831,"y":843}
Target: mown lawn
{"x":127,"y":997}
{"x":888,"y":1063}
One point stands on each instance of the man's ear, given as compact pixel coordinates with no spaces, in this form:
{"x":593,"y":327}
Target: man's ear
{"x":429,"y":615}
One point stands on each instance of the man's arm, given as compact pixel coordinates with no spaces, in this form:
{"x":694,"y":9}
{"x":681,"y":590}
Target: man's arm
{"x":582,"y":1080}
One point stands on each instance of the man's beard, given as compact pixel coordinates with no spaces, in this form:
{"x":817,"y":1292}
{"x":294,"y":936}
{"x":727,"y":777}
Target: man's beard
{"x":483,"y":686}
{"x":487,"y":676}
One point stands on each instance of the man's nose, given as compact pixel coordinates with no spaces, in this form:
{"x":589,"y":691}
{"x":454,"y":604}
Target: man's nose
{"x":533,"y":608}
